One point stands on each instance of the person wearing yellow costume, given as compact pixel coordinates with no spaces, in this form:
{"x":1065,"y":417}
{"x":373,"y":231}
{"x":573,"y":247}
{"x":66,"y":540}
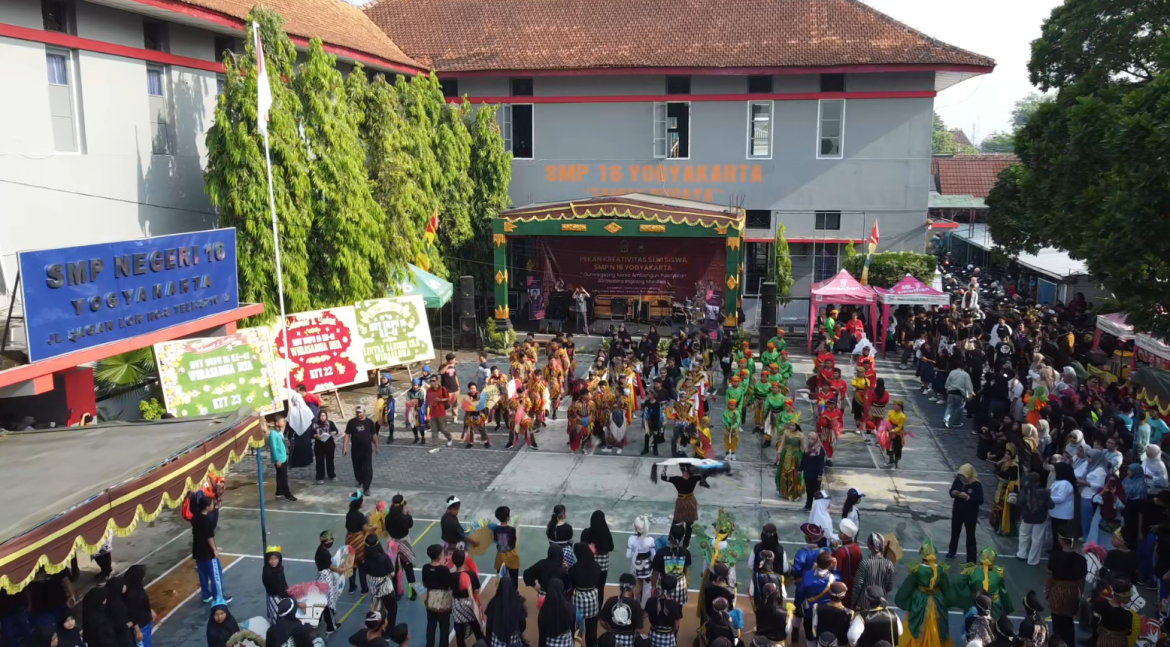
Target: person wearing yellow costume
{"x":731,"y":422}
{"x":861,"y":386}
{"x":770,"y":356}
{"x":702,"y":439}
{"x":1004,"y":513}
{"x":760,"y":390}
{"x":737,"y":391}
{"x":986,"y":576}
{"x":925,"y":595}
{"x":789,"y":480}
{"x":774,"y":409}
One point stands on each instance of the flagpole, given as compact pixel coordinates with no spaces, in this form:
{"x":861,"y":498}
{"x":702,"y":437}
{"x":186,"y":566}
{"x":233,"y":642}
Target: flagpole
{"x":279,"y":272}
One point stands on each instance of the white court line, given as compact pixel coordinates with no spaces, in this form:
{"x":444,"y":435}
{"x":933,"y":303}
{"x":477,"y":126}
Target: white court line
{"x":611,"y":530}
{"x":168,"y":571}
{"x":187,"y":599}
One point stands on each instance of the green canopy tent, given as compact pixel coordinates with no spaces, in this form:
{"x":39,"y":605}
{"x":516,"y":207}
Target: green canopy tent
{"x":435,"y":291}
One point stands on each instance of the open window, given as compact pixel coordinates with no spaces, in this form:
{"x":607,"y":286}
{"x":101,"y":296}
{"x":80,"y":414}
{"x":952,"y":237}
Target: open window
{"x":672,"y":130}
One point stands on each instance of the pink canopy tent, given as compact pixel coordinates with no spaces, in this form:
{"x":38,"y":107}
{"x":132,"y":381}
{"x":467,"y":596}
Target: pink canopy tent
{"x":844,"y":290}
{"x":908,"y":291}
{"x":1115,"y":324}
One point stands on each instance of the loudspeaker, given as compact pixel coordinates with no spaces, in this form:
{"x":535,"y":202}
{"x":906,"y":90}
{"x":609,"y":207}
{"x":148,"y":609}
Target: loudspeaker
{"x":768,"y":303}
{"x":467,"y":296}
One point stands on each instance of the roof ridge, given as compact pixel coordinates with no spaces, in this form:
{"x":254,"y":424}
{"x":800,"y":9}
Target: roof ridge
{"x":928,"y":37}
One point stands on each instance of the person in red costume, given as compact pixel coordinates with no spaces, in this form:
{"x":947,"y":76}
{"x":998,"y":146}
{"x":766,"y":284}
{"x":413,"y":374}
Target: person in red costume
{"x":829,"y":428}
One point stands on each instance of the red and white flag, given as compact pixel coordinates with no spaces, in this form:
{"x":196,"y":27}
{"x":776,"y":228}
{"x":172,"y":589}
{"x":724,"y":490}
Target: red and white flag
{"x":263,"y":89}
{"x":874,"y":238}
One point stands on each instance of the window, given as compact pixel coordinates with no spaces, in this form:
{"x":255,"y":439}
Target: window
{"x":160,"y":135}
{"x":450,"y":87}
{"x":756,"y":265}
{"x":154,"y":35}
{"x":832,"y":128}
{"x":760,"y":129}
{"x":55,"y":16}
{"x":824,"y":261}
{"x":759,"y":219}
{"x":223,"y":45}
{"x":672,"y":130}
{"x":828,"y":220}
{"x":518,"y":129}
{"x":62,"y":100}
{"x":832,"y":83}
{"x":521,"y":87}
{"x":678,"y":85}
{"x":759,"y":85}
{"x":220,"y":80}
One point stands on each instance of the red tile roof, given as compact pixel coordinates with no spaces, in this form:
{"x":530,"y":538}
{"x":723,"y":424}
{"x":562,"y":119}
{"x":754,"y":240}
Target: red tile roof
{"x":478,"y":35}
{"x":960,"y":137}
{"x":970,"y":174}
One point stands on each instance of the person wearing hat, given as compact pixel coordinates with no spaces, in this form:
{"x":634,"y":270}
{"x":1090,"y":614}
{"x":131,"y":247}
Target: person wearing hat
{"x":848,"y":554}
{"x":876,"y":625}
{"x":332,"y":576}
{"x":979,"y":624}
{"x":1005,"y":633}
{"x":875,"y":571}
{"x":985,"y":576}
{"x":805,"y":561}
{"x":384,"y":409}
{"x":832,"y":618}
{"x":621,"y":615}
{"x":772,"y":620}
{"x":361,"y":437}
{"x":1066,"y":578}
{"x":285,"y":628}
{"x":1034,"y":627}
{"x":816,"y":586}
{"x":924,"y":595}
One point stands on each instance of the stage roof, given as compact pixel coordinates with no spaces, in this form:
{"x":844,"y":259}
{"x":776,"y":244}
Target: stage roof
{"x":636,"y":206}
{"x":64,"y":488}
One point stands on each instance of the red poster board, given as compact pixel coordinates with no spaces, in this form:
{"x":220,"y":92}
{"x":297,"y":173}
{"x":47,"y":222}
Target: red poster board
{"x":327,"y":352}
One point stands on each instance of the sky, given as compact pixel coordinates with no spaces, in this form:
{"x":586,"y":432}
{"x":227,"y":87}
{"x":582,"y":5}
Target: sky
{"x":1001,"y":29}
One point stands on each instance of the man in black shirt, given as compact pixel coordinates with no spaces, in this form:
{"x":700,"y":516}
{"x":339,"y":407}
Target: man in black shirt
{"x":652,"y":417}
{"x":360,"y":434}
{"x":372,"y":634}
{"x":205,"y":553}
{"x":622,"y":615}
{"x":664,"y":615}
{"x":450,"y":530}
{"x":436,"y":579}
{"x":674,"y":560}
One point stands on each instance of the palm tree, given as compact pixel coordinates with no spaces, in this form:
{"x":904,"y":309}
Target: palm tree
{"x":125,"y":371}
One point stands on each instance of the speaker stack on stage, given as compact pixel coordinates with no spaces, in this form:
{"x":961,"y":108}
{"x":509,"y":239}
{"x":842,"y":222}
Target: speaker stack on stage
{"x":768,"y":306}
{"x":468,"y":331}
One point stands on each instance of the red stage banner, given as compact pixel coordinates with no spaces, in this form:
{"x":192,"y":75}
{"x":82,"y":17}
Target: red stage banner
{"x":634,"y":266}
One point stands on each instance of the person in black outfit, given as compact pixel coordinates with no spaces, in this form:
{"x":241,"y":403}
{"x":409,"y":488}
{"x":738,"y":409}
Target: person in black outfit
{"x":356,"y":529}
{"x":664,"y":615}
{"x":621,"y":615}
{"x":552,"y":567}
{"x":772,"y":620}
{"x":876,"y":625}
{"x":436,"y":579}
{"x":382,"y":572}
{"x":464,"y":585}
{"x":373,"y":634}
{"x":967,"y":494}
{"x":119,"y":615}
{"x":360,"y":435}
{"x":398,"y":524}
{"x":506,"y":616}
{"x":686,"y":507}
{"x":138,"y":602}
{"x":450,"y":530}
{"x":1066,"y":577}
{"x":323,"y":559}
{"x":324,"y":445}
{"x":673,"y":560}
{"x":599,"y":536}
{"x":812,"y":466}
{"x":97,"y":628}
{"x":652,"y":415}
{"x":287,"y":627}
{"x":833,"y":618}
{"x":585,"y":577}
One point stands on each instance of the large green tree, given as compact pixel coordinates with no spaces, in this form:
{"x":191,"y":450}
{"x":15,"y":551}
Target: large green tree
{"x":998,"y":142}
{"x":236,"y":179}
{"x":782,"y":264}
{"x":350,"y":231}
{"x":1093,"y":173}
{"x":490,"y":173}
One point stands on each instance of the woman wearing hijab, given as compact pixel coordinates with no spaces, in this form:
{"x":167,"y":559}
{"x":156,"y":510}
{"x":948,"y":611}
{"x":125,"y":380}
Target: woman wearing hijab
{"x":819,"y":515}
{"x":585,"y":577}
{"x":1154,"y":468}
{"x":1007,"y":473}
{"x":138,"y":602}
{"x":324,"y":433}
{"x":557,"y":617}
{"x":380,"y":573}
{"x":118,"y":615}
{"x":1034,"y":504}
{"x":598,"y":536}
{"x":1036,"y":402}
{"x":552,"y":567}
{"x":1062,"y":517}
{"x":398,"y":524}
{"x":506,"y":616}
{"x":285,"y":627}
{"x":1074,"y":442}
{"x":275,"y":584}
{"x":98,"y":631}
{"x":302,"y":447}
{"x":967,"y":493}
{"x":221,"y":626}
{"x":1091,"y":484}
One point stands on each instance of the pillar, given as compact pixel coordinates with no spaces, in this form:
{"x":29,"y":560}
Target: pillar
{"x":502,"y":314}
{"x":731,"y":282}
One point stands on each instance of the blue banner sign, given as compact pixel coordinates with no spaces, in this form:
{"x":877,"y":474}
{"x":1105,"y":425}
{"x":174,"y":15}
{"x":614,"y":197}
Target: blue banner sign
{"x":81,"y":297}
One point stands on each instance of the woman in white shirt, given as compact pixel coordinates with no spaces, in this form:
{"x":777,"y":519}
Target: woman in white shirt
{"x":1076,"y":440}
{"x":1091,"y":483}
{"x":1154,"y":468}
{"x":1063,"y":500}
{"x":1080,"y":461}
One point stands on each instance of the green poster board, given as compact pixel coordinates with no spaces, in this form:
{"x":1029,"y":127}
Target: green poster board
{"x":395,"y":331}
{"x":218,"y":374}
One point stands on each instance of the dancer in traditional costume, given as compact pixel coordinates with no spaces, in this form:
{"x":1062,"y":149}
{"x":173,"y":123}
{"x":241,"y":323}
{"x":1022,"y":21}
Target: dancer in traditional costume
{"x":774,"y":407}
{"x":731,"y":425}
{"x":1005,"y":513}
{"x":538,"y":400}
{"x":829,"y":426}
{"x":861,"y":386}
{"x":761,"y":387}
{"x":986,"y":577}
{"x":701,"y":443}
{"x":640,"y":549}
{"x":785,"y":368}
{"x":924,"y":595}
{"x":875,"y":405}
{"x":789,"y":480}
{"x":331,"y":571}
{"x":615,"y":432}
{"x":474,"y":417}
{"x":578,"y":423}
{"x":771,"y":355}
{"x":555,"y":376}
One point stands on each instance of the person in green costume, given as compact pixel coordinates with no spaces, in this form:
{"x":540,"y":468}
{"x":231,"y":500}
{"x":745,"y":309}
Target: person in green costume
{"x":731,"y":422}
{"x":785,"y":367}
{"x":925,"y":594}
{"x":830,"y":329}
{"x":773,"y":413}
{"x":986,"y":576}
{"x":778,"y":341}
{"x":760,"y":390}
{"x":770,"y":356}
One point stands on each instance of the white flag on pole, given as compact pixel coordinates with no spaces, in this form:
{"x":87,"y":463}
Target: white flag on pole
{"x":263,"y":89}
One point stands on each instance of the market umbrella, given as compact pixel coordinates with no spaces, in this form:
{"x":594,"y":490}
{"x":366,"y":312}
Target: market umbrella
{"x":435,"y":291}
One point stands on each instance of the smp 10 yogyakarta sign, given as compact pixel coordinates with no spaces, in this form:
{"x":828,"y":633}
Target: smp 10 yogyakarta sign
{"x":81,"y":297}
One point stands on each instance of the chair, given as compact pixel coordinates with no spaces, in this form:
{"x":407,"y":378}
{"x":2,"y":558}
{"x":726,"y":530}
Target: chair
{"x":618,"y":309}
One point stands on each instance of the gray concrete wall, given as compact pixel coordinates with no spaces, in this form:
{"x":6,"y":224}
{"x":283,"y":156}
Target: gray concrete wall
{"x":114,"y":188}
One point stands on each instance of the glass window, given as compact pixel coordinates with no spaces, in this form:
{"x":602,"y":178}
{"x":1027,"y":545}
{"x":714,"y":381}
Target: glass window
{"x":828,"y":220}
{"x":55,"y":15}
{"x":759,"y":85}
{"x":678,"y":130}
{"x":678,"y":85}
{"x":58,"y":68}
{"x":450,"y":87}
{"x":154,"y":81}
{"x":825,"y":262}
{"x":756,"y":266}
{"x":62,"y":105}
{"x":831,"y":129}
{"x":154,"y":35}
{"x":521,"y":87}
{"x":832,"y":83}
{"x":760,"y":129}
{"x":759,"y":219}
{"x":517,"y":129}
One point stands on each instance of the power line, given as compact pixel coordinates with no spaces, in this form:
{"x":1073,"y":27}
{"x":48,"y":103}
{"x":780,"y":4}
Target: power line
{"x":106,"y":197}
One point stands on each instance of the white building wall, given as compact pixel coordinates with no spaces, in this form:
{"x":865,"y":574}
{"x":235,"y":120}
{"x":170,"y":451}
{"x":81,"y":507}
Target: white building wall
{"x":114,"y":188}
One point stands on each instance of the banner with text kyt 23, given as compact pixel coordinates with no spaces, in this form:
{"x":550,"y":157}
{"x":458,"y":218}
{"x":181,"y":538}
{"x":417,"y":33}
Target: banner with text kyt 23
{"x":394,"y":331}
{"x":218,"y":374}
{"x":325,"y":350}
{"x":80,"y":297}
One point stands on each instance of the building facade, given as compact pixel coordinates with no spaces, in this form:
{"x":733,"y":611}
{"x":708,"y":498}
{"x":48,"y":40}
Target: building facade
{"x":106,"y":141}
{"x":815,"y":114}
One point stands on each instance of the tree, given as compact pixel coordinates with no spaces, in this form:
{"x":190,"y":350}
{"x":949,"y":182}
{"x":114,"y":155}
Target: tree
{"x":350,"y":231}
{"x":236,"y":180}
{"x":1092,"y":166}
{"x":942,"y":142}
{"x":998,"y":142}
{"x":1026,"y":107}
{"x":887,"y":268}
{"x":782,"y":265}
{"x":490,"y":173}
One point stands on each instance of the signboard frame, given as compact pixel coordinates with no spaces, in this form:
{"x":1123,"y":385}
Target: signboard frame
{"x":421,"y":332}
